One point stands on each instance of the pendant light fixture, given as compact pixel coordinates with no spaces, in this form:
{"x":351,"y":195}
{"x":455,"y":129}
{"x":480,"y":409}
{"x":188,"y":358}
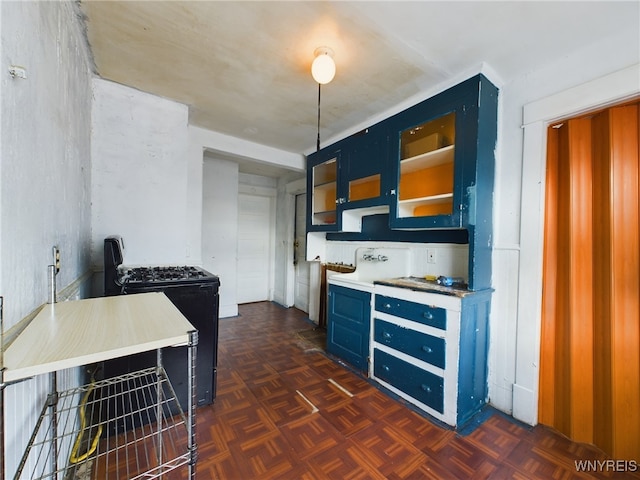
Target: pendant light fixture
{"x":323,"y":69}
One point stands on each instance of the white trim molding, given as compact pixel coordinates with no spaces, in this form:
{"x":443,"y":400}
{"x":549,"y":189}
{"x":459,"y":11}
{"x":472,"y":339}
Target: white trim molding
{"x":537,"y":116}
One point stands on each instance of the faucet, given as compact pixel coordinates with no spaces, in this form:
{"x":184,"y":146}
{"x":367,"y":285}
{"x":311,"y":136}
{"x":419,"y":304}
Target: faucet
{"x":370,"y":257}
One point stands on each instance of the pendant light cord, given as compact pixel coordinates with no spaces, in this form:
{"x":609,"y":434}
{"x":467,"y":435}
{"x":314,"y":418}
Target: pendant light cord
{"x":318,"y":141}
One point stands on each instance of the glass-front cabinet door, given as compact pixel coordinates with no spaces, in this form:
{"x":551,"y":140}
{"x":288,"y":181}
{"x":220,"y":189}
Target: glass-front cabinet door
{"x":433,"y":150}
{"x":325,"y":178}
{"x":324,"y":189}
{"x":426,"y":175}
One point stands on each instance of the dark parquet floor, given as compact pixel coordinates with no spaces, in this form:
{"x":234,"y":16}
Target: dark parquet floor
{"x":284,"y":410}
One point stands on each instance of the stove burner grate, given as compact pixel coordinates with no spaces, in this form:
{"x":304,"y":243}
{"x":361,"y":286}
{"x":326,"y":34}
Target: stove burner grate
{"x":162,"y":274}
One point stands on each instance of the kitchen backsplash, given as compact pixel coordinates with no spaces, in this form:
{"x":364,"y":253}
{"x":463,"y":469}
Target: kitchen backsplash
{"x":446,"y":258}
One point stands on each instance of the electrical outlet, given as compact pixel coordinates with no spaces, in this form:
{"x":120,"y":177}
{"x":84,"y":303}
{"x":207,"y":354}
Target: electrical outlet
{"x":431,"y":255}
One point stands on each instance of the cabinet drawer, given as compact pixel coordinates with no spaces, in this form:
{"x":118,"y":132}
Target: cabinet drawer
{"x":422,"y":385}
{"x":417,"y":344}
{"x":432,"y":316}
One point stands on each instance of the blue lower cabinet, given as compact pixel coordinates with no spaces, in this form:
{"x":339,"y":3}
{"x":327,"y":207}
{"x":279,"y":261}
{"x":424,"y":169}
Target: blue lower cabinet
{"x":348,"y":324}
{"x":424,"y":386}
{"x":431,"y":349}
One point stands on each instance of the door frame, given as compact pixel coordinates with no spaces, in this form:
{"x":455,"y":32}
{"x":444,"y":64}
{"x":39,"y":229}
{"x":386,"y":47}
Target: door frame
{"x":537,"y":116}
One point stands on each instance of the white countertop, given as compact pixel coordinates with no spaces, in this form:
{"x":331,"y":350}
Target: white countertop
{"x":75,"y":333}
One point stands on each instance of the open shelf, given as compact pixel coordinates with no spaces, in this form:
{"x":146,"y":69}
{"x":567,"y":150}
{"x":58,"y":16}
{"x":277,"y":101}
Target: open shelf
{"x":108,"y":441}
{"x":324,"y":218}
{"x":409,"y":207}
{"x":427,"y":160}
{"x":325,"y":186}
{"x":326,"y":172}
{"x":324,"y":204}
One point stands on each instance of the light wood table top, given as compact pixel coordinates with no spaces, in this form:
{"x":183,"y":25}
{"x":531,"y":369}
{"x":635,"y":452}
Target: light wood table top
{"x":71,"y":334}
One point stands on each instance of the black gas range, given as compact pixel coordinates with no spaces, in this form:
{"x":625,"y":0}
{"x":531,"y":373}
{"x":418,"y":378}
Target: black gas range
{"x":194,"y":291}
{"x":121,"y":279}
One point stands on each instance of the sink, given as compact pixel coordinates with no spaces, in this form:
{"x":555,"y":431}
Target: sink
{"x":351,"y":280}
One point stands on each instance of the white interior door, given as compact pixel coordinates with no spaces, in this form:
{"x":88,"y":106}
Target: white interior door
{"x":301,"y":297}
{"x":255,"y":259}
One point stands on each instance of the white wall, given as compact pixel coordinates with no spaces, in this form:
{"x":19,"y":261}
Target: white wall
{"x":139,"y":167}
{"x":220,"y":228}
{"x":45,"y":176}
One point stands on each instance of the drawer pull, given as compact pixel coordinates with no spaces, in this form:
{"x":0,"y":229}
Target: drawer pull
{"x":428,"y":315}
{"x":425,"y":388}
{"x":426,"y":349}
{"x":385,"y":368}
{"x":386,"y":335}
{"x":387,"y":306}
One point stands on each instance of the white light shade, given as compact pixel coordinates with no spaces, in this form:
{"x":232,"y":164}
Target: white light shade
{"x":323,"y":68}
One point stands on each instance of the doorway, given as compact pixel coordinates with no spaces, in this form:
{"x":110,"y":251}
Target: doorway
{"x":595,"y":94}
{"x":590,"y":340}
{"x":302,"y":267}
{"x":255,"y":239}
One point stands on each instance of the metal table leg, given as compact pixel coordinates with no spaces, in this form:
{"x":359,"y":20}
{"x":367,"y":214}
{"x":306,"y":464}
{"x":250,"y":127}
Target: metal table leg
{"x":191,"y":426}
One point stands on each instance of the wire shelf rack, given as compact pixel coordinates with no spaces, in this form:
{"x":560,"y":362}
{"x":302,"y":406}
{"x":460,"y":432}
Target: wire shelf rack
{"x":130,"y":426}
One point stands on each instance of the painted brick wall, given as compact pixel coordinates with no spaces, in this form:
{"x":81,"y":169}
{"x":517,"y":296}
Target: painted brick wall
{"x":45,"y":172}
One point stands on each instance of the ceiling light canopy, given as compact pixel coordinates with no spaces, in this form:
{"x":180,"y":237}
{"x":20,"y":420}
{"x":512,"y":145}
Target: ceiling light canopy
{"x":323,"y":68}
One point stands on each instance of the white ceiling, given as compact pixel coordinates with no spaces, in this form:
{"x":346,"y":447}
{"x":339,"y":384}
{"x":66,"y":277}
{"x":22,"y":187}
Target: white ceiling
{"x":243,"y":67}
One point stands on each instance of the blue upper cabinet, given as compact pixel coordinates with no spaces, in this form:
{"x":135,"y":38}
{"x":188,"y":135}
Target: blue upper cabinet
{"x":350,"y":174}
{"x":366,"y":169}
{"x":442,"y":158}
{"x":430,"y":166}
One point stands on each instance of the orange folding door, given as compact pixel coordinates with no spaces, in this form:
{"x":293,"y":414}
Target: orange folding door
{"x":590,"y":345}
